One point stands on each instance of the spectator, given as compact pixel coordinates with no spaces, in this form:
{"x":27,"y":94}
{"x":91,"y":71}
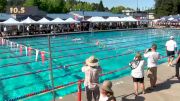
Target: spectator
{"x":153,"y":57}
{"x":177,"y":65}
{"x":137,"y":73}
{"x":171,"y":47}
{"x":106,"y":92}
{"x":92,"y":71}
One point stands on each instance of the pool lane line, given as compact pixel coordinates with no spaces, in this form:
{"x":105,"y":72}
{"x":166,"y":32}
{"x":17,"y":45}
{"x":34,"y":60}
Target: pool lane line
{"x":72,"y":44}
{"x":134,"y":32}
{"x":86,"y":35}
{"x":67,"y":49}
{"x":104,"y":40}
{"x":69,"y":55}
{"x":81,"y":47}
{"x":39,"y":71}
{"x":87,"y":42}
{"x":57,"y":51}
{"x":65,"y":85}
{"x":126,"y":36}
{"x":3,"y":66}
{"x":57,"y":77}
{"x":82,"y":43}
{"x":98,"y":34}
{"x":123,"y":37}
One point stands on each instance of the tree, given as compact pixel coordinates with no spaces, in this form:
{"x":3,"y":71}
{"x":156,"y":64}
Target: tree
{"x":15,"y":2}
{"x":29,"y":3}
{"x":166,"y":7}
{"x":3,"y":4}
{"x":101,"y":7}
{"x":117,"y":9}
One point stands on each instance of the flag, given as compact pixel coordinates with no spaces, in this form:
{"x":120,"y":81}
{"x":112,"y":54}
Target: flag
{"x":37,"y":52}
{"x":20,"y":49}
{"x":43,"y":56}
{"x":29,"y":51}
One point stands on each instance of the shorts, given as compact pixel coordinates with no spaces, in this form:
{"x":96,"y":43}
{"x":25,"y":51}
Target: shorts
{"x":170,"y":53}
{"x":152,"y":73}
{"x":140,"y":80}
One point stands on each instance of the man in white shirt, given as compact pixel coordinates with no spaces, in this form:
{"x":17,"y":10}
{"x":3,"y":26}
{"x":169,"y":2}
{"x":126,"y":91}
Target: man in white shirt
{"x":171,"y":48}
{"x":152,"y":60}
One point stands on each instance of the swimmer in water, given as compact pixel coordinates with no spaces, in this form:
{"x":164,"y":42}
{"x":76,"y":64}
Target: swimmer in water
{"x":97,"y":43}
{"x":76,"y":39}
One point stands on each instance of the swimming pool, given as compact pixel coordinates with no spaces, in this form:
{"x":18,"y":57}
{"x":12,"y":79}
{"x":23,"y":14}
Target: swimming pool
{"x":21,"y":75}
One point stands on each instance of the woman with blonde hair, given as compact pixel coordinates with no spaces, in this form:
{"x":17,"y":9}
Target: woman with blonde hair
{"x":137,"y":73}
{"x":106,"y":93}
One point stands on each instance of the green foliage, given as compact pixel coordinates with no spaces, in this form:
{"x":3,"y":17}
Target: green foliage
{"x":117,"y":9}
{"x":63,"y":6}
{"x":3,"y":4}
{"x":15,"y":2}
{"x":29,"y":3}
{"x":166,"y":7}
{"x":101,"y":7}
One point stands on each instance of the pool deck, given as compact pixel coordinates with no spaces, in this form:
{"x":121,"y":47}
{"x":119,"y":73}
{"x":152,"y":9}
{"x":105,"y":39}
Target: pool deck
{"x":168,"y":88}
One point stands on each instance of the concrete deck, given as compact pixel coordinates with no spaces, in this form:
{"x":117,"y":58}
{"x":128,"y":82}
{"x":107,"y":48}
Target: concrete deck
{"x":168,"y":88}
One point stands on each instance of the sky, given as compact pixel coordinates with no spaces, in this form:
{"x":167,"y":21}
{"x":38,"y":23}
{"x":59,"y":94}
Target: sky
{"x":142,"y":4}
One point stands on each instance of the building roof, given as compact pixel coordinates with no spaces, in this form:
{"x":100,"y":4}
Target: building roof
{"x":61,"y":16}
{"x":4,"y":16}
{"x":96,"y":13}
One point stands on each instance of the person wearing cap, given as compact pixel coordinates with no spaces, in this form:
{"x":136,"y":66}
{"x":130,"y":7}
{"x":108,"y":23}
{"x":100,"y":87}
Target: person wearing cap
{"x":107,"y":93}
{"x":92,"y":71}
{"x":171,"y":48}
{"x":137,"y":74}
{"x":152,"y":59}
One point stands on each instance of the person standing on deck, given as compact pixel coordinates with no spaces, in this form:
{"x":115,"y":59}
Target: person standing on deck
{"x":177,"y":66}
{"x":171,"y":48}
{"x":137,"y":73}
{"x":92,"y":71}
{"x":153,"y":57}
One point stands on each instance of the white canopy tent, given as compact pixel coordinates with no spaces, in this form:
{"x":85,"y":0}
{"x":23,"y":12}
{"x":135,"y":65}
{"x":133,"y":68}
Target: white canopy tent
{"x":28,"y":20}
{"x":113,"y":19}
{"x":43,"y":21}
{"x":71,"y":20}
{"x":156,"y":20}
{"x":11,"y":21}
{"x":128,"y":19}
{"x":171,"y":18}
{"x":57,"y":21}
{"x":96,"y":19}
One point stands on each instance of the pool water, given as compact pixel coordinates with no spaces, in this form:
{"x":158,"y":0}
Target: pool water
{"x":21,"y":75}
